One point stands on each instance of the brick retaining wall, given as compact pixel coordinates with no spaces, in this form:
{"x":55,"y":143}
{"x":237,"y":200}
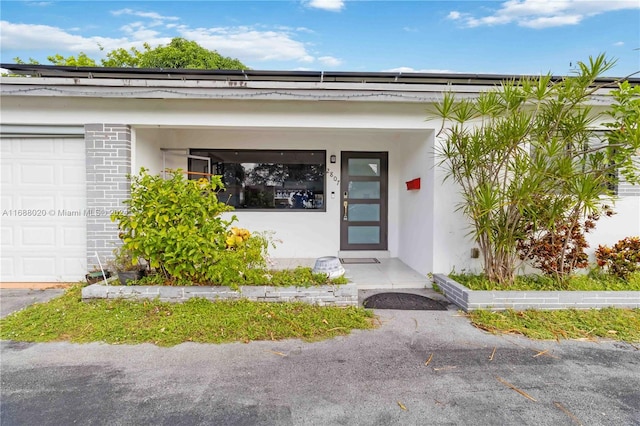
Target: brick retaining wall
{"x":334,"y":295}
{"x":469,"y":300}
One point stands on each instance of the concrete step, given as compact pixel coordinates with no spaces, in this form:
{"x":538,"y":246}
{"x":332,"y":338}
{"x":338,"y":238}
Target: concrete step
{"x":355,"y":254}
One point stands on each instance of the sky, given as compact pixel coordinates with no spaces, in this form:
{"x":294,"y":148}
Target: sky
{"x":478,"y":37}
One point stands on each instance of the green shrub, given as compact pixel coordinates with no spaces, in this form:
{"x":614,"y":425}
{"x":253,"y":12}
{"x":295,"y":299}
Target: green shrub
{"x":560,"y":249}
{"x":176,"y":225}
{"x":298,"y":277}
{"x":622,"y":259}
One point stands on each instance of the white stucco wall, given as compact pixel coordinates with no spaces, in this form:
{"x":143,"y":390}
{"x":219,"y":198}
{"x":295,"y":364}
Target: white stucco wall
{"x":416,"y":213}
{"x":425,"y":230}
{"x":176,"y":113}
{"x":610,"y":230}
{"x":452,"y":244}
{"x":309,"y":233}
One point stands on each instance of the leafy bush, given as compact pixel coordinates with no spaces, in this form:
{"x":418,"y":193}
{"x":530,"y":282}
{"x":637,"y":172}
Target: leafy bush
{"x":559,"y":250}
{"x":176,"y":225}
{"x":622,"y":259}
{"x":299,"y":277}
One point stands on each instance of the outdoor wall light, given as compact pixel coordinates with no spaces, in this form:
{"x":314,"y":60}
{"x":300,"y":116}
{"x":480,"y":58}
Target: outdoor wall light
{"x":332,"y":159}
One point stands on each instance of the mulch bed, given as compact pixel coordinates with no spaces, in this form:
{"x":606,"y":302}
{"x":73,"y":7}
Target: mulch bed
{"x":403,"y":301}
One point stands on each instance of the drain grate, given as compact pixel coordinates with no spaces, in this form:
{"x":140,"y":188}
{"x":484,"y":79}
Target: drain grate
{"x":356,"y":261}
{"x":403,"y":301}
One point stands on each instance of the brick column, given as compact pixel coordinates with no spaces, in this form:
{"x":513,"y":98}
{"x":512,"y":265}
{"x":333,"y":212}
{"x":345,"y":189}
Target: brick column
{"x":108,"y":157}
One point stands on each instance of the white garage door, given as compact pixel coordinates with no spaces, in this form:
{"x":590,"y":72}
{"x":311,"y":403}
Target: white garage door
{"x":42,"y":210}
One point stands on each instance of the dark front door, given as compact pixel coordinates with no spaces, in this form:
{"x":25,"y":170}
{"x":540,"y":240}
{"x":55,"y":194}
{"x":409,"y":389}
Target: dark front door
{"x":363,"y":191}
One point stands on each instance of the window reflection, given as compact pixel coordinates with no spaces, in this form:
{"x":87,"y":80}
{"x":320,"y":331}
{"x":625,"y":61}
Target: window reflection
{"x":269,"y":179}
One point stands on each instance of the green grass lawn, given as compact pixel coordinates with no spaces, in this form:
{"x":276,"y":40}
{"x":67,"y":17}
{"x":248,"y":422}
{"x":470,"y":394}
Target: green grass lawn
{"x":587,"y":282}
{"x":608,"y":323}
{"x":67,"y":318}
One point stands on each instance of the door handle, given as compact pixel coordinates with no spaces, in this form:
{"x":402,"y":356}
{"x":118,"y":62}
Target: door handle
{"x":346,"y":209}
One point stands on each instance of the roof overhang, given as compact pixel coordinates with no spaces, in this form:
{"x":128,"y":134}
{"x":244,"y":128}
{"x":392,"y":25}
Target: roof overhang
{"x":48,"y":80}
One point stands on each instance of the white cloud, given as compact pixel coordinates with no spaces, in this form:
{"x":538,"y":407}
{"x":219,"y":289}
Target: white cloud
{"x":150,"y":15}
{"x":42,"y":37}
{"x":619,"y":43}
{"x":330,"y":5}
{"x":329,"y":61}
{"x":249,"y":44}
{"x":542,"y":13}
{"x":552,"y":21}
{"x":138,"y":31}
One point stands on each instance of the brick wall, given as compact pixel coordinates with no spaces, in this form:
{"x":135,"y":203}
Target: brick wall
{"x":108,"y":157}
{"x":325,"y":295}
{"x":469,"y":300}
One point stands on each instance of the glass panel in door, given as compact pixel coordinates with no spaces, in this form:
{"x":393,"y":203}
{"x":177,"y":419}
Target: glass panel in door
{"x":364,"y":201}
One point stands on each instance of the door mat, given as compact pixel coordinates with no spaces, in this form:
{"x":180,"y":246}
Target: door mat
{"x":355,"y":261}
{"x":403,"y":301}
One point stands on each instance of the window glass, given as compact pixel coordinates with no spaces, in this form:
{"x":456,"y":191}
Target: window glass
{"x":269,"y":179}
{"x":364,"y":167}
{"x":364,"y":212}
{"x":364,"y":190}
{"x":364,"y":235}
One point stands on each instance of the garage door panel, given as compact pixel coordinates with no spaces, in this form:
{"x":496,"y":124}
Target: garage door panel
{"x":38,"y":202}
{"x":38,"y":237}
{"x":73,"y":148}
{"x":6,"y":147}
{"x":37,"y":265}
{"x":62,"y":267}
{"x":46,"y":175}
{"x":74,"y":237}
{"x":76,"y":204}
{"x":6,"y":174}
{"x":7,"y":205}
{"x":36,"y":147}
{"x":7,"y":264}
{"x":73,"y":175}
{"x":75,"y":268}
{"x":43,"y":174}
{"x":6,"y":234}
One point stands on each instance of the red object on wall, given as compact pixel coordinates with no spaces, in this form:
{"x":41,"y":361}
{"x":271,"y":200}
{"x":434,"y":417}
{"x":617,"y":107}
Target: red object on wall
{"x":413,"y":184}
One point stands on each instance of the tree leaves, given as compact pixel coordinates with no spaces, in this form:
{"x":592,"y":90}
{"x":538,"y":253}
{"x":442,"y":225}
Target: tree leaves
{"x":179,"y":53}
{"x":530,"y":143}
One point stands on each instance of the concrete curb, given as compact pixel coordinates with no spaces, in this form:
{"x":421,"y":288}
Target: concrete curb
{"x":326,"y":295}
{"x":469,"y":300}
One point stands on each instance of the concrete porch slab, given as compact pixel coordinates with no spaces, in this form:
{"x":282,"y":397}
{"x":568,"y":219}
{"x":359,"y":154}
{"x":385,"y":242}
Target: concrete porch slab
{"x":390,"y":273}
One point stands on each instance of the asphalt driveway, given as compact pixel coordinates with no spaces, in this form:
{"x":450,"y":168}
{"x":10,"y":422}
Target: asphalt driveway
{"x":14,"y":299}
{"x":378,"y":377}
